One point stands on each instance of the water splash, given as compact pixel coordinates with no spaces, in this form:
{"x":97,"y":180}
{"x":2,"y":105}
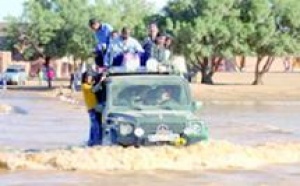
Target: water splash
{"x":209,"y":155}
{"x":4,"y":109}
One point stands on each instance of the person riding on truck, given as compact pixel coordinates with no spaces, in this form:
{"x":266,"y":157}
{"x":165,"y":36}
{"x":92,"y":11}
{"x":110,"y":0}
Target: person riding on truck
{"x":124,"y":48}
{"x":149,"y":42}
{"x":102,"y":34}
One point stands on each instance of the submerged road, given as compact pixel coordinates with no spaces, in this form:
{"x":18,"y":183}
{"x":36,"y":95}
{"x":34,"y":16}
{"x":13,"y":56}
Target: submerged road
{"x":41,"y":123}
{"x":38,"y":123}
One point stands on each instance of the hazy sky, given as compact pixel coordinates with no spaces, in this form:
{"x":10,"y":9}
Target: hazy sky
{"x":14,"y":7}
{"x":10,"y":7}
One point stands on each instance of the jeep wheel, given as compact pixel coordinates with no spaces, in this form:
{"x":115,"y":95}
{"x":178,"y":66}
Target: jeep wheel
{"x":140,"y":142}
{"x":124,"y":146}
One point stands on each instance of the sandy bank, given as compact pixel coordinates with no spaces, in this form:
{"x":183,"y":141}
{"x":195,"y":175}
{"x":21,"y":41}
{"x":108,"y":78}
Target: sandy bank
{"x":228,"y":87}
{"x":237,"y":87}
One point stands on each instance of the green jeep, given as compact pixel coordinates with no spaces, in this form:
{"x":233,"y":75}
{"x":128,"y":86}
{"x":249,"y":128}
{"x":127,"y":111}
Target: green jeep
{"x":150,"y":109}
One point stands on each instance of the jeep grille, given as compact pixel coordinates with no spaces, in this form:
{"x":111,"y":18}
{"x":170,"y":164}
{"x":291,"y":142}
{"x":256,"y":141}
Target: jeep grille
{"x":150,"y":128}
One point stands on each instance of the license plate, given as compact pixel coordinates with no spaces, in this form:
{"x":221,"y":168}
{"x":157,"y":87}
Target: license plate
{"x":162,"y":137}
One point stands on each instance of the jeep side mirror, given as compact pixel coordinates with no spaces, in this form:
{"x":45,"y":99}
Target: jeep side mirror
{"x":196,"y":105}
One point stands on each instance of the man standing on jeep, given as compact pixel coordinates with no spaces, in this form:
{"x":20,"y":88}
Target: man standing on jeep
{"x":102,"y":35}
{"x":124,"y":49}
{"x":149,"y":42}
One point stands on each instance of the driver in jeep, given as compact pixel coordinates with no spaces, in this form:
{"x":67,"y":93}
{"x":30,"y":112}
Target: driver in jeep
{"x":166,"y":99}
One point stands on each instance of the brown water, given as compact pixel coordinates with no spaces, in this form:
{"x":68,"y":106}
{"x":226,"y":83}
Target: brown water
{"x":41,"y":143}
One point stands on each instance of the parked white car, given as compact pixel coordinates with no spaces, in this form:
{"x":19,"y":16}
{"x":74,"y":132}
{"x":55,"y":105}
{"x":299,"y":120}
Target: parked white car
{"x":15,"y":75}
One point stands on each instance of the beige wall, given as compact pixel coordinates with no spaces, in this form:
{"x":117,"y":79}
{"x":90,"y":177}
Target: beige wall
{"x":62,"y":66}
{"x":277,"y":66}
{"x":5,"y":60}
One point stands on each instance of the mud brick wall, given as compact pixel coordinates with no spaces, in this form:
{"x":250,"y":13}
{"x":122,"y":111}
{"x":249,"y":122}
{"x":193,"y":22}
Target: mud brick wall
{"x":5,"y":60}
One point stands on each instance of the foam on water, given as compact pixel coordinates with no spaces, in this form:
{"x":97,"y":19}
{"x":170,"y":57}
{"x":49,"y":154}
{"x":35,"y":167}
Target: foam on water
{"x":207,"y":155}
{"x":5,"y":109}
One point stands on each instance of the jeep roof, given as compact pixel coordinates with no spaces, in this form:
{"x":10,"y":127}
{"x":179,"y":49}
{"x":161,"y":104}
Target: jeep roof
{"x":117,"y":71}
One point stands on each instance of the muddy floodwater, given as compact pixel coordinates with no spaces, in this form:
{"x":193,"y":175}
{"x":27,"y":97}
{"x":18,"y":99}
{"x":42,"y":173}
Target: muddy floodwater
{"x":252,"y":143}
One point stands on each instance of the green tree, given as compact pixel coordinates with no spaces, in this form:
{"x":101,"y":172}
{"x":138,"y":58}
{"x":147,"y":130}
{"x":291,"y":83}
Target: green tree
{"x":42,"y":23}
{"x":74,"y":37}
{"x":206,"y":32}
{"x":35,"y":28}
{"x":13,"y":40}
{"x":61,"y":26}
{"x":273,"y":30}
{"x":121,"y":13}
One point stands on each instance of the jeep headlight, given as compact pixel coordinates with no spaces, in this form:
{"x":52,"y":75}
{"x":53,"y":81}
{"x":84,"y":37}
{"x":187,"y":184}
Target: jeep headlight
{"x":139,"y":132}
{"x":126,"y":128}
{"x":194,"y":127}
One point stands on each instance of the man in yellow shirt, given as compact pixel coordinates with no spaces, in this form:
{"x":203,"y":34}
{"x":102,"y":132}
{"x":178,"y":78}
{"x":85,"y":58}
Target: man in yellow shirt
{"x":91,"y":102}
{"x":89,"y":96}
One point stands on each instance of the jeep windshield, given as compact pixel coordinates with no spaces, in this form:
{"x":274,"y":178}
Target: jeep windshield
{"x":152,"y":94}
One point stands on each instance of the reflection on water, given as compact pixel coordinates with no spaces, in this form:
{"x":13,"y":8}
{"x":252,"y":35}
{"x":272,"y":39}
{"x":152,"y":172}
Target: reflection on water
{"x":39,"y":123}
{"x":253,"y":123}
{"x":248,"y":140}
